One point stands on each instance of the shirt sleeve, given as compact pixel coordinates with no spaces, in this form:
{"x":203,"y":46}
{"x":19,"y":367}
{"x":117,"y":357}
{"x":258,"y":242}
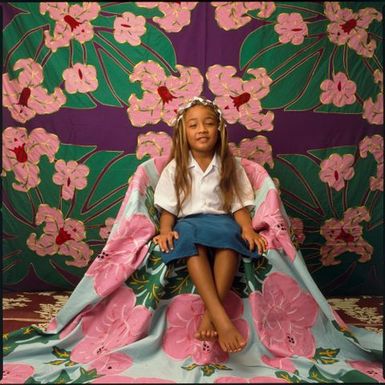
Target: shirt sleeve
{"x":247,"y":192}
{"x":164,"y":195}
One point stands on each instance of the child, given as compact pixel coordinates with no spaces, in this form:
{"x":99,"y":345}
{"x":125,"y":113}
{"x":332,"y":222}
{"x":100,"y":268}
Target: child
{"x":203,"y":194}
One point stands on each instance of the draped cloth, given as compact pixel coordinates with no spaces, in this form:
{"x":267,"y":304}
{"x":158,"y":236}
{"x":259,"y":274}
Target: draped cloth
{"x":132,"y":318}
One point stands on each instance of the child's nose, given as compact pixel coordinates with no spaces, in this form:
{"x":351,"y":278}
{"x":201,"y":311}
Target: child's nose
{"x":202,"y":127}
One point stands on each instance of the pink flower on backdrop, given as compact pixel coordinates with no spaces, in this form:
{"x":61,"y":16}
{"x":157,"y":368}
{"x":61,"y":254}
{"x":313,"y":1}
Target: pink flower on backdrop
{"x":176,"y":15}
{"x":252,"y":380}
{"x":255,"y":172}
{"x":345,"y":235}
{"x":71,"y":176}
{"x":348,"y":27}
{"x":130,"y":380}
{"x":163,"y":95}
{"x":373,"y":112}
{"x":233,"y":14}
{"x":123,"y":253}
{"x":336,"y":170}
{"x":371,"y":369}
{"x":183,"y":318}
{"x":282,"y":363}
{"x":112,"y":324}
{"x":379,"y":78}
{"x":22,"y":152}
{"x":340,"y":91}
{"x":16,"y":373}
{"x":128,"y":28}
{"x":291,"y":28}
{"x":268,"y":219}
{"x":113,"y":363}
{"x":257,"y":149}
{"x":25,"y":97}
{"x":297,"y":227}
{"x":72,"y":22}
{"x":374,"y":145}
{"x":283,"y":316}
{"x":104,"y":232}
{"x":63,"y":237}
{"x":80,"y":78}
{"x":240,"y":100}
{"x":153,"y":144}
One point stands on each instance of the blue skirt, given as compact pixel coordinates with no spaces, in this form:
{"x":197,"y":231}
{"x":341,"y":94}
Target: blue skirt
{"x":218,"y":231}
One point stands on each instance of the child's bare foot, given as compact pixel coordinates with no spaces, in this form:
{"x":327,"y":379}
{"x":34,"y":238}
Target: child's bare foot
{"x":206,"y":330}
{"x":230,"y":339}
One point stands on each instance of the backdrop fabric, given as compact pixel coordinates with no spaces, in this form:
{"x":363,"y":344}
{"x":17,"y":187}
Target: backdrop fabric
{"x":90,"y":91}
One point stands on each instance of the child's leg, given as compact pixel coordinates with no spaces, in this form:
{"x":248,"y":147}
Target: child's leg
{"x":201,"y":274}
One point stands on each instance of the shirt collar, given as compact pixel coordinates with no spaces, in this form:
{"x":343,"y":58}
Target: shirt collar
{"x":214,"y":162}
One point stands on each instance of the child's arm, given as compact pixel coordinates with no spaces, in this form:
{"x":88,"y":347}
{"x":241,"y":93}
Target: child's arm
{"x":243,"y":218}
{"x":166,"y":234}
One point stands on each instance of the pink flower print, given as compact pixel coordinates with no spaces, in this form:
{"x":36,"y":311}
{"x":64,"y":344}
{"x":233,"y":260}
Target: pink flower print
{"x":345,"y":236}
{"x":160,"y":163}
{"x":252,"y":380}
{"x":375,"y":146}
{"x":130,"y":380}
{"x":283,"y":316}
{"x":371,"y":369}
{"x":238,"y":99}
{"x":80,"y":78}
{"x":112,"y":324}
{"x":256,"y":173}
{"x":336,"y":170}
{"x":123,"y":253}
{"x":379,"y":78}
{"x":297,"y":228}
{"x":340,"y":91}
{"x":71,"y":176}
{"x":25,"y":97}
{"x":282,"y":363}
{"x":16,"y":373}
{"x":22,"y":152}
{"x":153,"y":144}
{"x":128,"y":28}
{"x":72,"y":22}
{"x":113,"y":363}
{"x":291,"y":28}
{"x":104,"y":232}
{"x":233,"y":15}
{"x":162,"y":95}
{"x":373,"y":112}
{"x":63,"y":237}
{"x":183,"y":317}
{"x":139,"y":181}
{"x":257,"y":149}
{"x":270,"y":222}
{"x":350,"y":28}
{"x":176,"y":15}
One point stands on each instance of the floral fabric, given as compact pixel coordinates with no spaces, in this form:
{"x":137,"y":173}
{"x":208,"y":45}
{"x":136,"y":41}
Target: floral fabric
{"x":131,"y":319}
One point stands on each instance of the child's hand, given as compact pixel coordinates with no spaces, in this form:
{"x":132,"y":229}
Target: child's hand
{"x":165,"y":240}
{"x":254,"y":239}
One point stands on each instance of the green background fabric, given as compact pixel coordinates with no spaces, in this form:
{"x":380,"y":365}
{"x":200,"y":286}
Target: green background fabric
{"x":303,"y":137}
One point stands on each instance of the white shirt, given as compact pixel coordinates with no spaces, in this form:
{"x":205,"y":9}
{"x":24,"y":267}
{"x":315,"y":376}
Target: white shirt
{"x":205,"y":197}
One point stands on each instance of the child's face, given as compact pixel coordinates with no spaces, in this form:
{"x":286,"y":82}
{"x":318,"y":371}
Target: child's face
{"x":201,"y":129}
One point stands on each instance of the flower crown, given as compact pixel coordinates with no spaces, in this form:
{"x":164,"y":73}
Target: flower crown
{"x":194,"y":100}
